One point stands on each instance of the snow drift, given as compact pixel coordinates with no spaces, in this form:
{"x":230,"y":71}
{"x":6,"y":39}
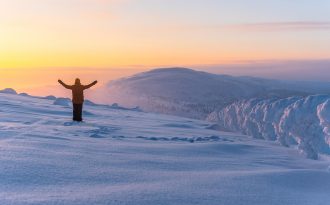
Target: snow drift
{"x":302,"y":121}
{"x":120,"y":156}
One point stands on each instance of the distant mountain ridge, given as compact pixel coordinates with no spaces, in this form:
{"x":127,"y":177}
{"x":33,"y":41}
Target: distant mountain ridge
{"x":189,"y":93}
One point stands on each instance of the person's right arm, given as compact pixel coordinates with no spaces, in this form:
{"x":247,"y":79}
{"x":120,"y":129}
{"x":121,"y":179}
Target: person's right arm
{"x":65,"y":85}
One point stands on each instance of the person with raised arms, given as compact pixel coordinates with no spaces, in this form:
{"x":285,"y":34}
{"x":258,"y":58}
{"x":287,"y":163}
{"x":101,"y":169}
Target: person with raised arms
{"x":77,"y":97}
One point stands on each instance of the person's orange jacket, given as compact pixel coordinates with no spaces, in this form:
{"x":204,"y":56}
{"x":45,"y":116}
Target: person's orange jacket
{"x":77,"y":91}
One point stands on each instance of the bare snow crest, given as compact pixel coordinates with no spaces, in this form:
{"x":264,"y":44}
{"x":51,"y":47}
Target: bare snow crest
{"x":302,"y":121}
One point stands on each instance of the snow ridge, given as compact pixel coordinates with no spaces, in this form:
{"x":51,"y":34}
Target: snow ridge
{"x":302,"y":121}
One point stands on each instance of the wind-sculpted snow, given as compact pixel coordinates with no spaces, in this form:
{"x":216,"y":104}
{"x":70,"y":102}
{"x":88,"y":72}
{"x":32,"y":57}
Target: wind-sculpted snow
{"x":125,"y":156}
{"x":302,"y":121}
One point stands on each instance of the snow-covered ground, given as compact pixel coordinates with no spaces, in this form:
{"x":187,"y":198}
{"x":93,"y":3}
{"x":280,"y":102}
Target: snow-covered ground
{"x":123,"y":156}
{"x":302,"y":121}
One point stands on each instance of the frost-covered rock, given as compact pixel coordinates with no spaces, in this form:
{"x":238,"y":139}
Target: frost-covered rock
{"x":296,"y":120}
{"x":8,"y":91}
{"x":323,"y":112}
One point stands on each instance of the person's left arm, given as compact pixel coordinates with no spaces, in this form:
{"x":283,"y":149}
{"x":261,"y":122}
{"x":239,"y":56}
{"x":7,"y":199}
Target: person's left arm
{"x":90,"y":85}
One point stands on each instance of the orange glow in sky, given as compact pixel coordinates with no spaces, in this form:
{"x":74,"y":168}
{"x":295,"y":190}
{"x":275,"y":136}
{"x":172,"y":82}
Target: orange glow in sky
{"x":43,"y":40}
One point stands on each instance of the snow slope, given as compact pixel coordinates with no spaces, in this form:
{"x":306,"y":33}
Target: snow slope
{"x":185,"y":92}
{"x":297,"y":120}
{"x":122,"y":156}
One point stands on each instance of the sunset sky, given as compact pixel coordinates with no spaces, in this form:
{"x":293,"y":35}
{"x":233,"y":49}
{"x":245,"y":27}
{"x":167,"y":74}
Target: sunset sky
{"x":43,"y":40}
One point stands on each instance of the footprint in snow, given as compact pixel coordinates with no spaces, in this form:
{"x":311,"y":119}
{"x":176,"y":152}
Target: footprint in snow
{"x":186,"y":139}
{"x":102,"y":132}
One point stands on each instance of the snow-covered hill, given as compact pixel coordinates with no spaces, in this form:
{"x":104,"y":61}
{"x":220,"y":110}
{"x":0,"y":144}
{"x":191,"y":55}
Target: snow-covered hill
{"x":302,"y":121}
{"x":200,"y":95}
{"x":189,"y":93}
{"x":122,"y":156}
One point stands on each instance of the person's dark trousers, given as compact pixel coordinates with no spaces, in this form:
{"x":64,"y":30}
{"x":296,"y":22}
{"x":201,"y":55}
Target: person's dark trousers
{"x":77,"y":112}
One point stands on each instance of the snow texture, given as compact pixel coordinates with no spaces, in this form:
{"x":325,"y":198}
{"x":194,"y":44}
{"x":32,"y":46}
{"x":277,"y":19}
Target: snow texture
{"x":302,"y":121}
{"x":127,"y":157}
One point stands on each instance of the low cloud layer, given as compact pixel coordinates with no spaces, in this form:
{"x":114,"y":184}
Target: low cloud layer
{"x":283,"y":26}
{"x":310,"y":70}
